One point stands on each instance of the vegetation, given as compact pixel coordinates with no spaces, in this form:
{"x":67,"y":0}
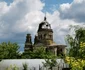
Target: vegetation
{"x":76,"y":55}
{"x":50,"y":63}
{"x":12,"y":67}
{"x":9,"y":50}
{"x":25,"y":66}
{"x":37,"y":53}
{"x":76,"y":42}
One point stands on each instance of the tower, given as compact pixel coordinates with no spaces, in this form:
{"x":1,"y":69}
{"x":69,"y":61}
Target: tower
{"x":44,"y":34}
{"x":28,"y":43}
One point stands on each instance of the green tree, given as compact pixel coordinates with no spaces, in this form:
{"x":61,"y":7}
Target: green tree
{"x":38,"y":53}
{"x":9,"y":50}
{"x":76,"y":56}
{"x":75,"y":41}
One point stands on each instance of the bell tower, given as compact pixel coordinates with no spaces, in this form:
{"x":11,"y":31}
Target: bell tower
{"x":28,"y":43}
{"x":44,"y":33}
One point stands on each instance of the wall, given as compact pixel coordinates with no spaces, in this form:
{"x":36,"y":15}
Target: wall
{"x":30,"y":62}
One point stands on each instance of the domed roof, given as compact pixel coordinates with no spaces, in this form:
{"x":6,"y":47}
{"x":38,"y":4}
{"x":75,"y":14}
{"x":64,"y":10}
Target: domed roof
{"x":44,"y":25}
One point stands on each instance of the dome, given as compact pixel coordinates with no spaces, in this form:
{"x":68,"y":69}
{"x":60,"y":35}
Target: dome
{"x":44,"y":25}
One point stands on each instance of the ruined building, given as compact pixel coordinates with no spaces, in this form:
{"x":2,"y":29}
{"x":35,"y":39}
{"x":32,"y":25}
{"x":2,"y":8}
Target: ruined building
{"x":44,"y":38}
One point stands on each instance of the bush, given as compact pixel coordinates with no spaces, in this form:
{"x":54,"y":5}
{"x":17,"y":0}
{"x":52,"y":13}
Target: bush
{"x":25,"y":66}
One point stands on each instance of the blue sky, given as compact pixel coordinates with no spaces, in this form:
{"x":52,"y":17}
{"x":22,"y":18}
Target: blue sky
{"x":19,"y":17}
{"x":8,"y":1}
{"x":49,"y":4}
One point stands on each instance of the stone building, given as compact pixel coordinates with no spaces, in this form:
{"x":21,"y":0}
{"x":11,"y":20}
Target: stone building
{"x":44,"y":38}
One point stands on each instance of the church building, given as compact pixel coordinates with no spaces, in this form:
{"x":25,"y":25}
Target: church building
{"x":44,"y":37}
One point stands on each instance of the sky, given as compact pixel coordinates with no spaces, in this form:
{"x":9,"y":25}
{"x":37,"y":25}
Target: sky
{"x":19,"y":17}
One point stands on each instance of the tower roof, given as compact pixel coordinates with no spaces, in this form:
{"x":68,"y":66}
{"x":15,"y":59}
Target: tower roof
{"x":44,"y":25}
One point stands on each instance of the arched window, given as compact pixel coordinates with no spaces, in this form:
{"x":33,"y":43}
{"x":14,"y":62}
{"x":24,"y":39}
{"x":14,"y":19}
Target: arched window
{"x":44,"y":35}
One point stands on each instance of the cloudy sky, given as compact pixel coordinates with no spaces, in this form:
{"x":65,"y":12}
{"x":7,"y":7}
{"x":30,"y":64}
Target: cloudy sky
{"x":19,"y":17}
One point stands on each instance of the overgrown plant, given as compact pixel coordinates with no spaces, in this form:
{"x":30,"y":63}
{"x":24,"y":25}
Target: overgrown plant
{"x":25,"y":66}
{"x":12,"y":67}
{"x":38,"y":53}
{"x":50,"y":63}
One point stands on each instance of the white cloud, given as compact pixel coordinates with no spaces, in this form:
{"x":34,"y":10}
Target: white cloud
{"x":3,"y":8}
{"x":74,"y":11}
{"x":29,"y":23}
{"x":65,"y":6}
{"x":78,"y":1}
{"x":13,"y":18}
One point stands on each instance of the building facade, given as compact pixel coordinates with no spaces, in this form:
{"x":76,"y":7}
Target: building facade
{"x":44,"y":37}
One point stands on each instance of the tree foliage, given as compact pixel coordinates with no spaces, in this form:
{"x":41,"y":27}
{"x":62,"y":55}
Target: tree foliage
{"x":76,"y":57}
{"x":75,"y":42}
{"x":9,"y":50}
{"x":37,"y":53}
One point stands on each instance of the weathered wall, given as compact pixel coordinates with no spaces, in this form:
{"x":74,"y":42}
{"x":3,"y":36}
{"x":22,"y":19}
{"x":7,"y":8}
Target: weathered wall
{"x":30,"y":62}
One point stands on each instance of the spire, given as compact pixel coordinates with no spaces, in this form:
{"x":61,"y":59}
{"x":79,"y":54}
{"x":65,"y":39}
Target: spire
{"x":45,"y":17}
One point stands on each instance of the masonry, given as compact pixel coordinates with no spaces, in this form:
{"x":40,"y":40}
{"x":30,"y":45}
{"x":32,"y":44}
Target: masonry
{"x":44,"y":37}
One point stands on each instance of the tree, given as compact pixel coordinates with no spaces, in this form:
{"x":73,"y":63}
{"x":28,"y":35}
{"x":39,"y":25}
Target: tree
{"x":9,"y":50}
{"x":37,"y":53}
{"x":75,"y":41}
{"x":76,"y":57}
